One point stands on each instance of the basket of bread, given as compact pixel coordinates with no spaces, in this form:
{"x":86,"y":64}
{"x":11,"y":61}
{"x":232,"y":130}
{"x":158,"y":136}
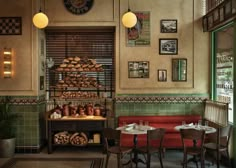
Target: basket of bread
{"x":79,"y":139}
{"x":62,"y":138}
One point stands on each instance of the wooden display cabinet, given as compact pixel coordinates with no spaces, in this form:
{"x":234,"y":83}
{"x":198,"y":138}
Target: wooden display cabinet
{"x":90,"y":125}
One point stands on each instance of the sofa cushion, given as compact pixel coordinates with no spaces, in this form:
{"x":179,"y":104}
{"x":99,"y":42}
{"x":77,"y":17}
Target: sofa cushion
{"x":172,"y":137}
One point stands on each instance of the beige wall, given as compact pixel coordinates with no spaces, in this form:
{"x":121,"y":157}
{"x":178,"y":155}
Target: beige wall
{"x":24,"y":81}
{"x":193,"y":43}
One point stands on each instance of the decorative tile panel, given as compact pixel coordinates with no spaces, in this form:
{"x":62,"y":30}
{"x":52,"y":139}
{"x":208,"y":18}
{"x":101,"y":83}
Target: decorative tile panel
{"x":160,"y":99}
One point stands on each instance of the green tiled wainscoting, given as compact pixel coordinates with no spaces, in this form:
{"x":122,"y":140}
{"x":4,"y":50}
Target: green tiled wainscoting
{"x":30,"y":127}
{"x":159,"y":104}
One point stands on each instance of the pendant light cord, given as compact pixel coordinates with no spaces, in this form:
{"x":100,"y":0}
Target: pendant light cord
{"x":40,"y":10}
{"x":128,"y":6}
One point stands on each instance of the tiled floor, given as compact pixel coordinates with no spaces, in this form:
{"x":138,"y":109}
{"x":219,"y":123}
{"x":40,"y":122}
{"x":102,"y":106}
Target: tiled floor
{"x":172,"y":159}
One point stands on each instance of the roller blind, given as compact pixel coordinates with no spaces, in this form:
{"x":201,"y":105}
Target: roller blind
{"x":92,"y":43}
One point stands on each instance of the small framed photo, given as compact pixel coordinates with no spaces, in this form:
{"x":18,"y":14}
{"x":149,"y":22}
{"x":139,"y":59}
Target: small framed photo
{"x":168,"y":26}
{"x":138,"y":69}
{"x":162,"y":75}
{"x":168,"y":46}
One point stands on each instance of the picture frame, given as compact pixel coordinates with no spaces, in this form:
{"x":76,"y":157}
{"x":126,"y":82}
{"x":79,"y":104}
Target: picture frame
{"x":10,"y":25}
{"x":168,"y":46}
{"x":140,"y":34}
{"x":168,"y":26}
{"x":162,"y":75}
{"x":138,"y":69}
{"x":179,"y":69}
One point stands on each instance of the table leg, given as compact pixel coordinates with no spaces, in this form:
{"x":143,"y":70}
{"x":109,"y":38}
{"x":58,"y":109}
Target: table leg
{"x":194,"y":158}
{"x":136,"y":160}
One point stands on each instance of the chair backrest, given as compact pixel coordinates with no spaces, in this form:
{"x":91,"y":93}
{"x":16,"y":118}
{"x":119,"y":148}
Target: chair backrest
{"x":194,"y":135}
{"x":111,"y":137}
{"x":225,"y":133}
{"x":155,"y":137}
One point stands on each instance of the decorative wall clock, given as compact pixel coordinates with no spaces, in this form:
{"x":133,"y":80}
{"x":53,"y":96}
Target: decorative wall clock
{"x":78,"y":7}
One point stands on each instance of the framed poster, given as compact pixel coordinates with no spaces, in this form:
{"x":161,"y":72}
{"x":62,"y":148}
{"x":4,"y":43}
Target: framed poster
{"x":139,"y":35}
{"x":138,"y":69}
{"x":168,"y":46}
{"x":168,"y":26}
{"x":10,"y":26}
{"x":162,"y":75}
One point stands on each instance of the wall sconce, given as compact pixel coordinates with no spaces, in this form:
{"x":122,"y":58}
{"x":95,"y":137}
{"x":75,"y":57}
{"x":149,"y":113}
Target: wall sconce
{"x":129,"y":19}
{"x":7,"y":63}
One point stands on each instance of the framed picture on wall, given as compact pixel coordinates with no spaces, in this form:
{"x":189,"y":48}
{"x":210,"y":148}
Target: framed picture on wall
{"x":162,"y":75}
{"x":168,"y":46}
{"x":168,"y":26}
{"x":10,"y":26}
{"x":140,"y":34}
{"x":138,"y":69}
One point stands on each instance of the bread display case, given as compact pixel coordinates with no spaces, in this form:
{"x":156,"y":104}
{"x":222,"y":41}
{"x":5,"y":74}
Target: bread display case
{"x":78,"y":92}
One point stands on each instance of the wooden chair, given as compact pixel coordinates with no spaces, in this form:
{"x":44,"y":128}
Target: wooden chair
{"x":112,"y":146}
{"x":154,"y":145}
{"x":223,"y":148}
{"x":197,"y":137}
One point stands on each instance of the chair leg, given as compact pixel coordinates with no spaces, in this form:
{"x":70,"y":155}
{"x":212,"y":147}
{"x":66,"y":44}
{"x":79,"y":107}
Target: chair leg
{"x":107,"y":158}
{"x":148,"y":161}
{"x":160,"y":158}
{"x":227,"y":155}
{"x":185,"y":160}
{"x":119,"y":161}
{"x":202,"y":161}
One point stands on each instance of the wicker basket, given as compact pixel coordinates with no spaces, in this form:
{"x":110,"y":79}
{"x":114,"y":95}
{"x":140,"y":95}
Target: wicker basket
{"x":79,"y":139}
{"x":62,"y":138}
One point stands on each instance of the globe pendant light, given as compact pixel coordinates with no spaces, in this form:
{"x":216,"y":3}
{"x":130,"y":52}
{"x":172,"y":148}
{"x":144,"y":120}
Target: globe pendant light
{"x":129,"y":19}
{"x":40,"y":19}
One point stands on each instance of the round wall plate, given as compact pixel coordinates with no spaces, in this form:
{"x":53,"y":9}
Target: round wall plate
{"x":78,"y":7}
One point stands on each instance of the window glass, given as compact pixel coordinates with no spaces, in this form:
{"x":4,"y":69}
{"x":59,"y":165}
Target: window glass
{"x":224,"y":67}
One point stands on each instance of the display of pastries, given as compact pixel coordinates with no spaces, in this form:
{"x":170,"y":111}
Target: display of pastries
{"x":77,"y":64}
{"x":74,"y":78}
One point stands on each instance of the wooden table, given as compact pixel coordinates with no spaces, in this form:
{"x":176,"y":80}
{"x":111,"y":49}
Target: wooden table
{"x":208,"y":130}
{"x":135,"y":131}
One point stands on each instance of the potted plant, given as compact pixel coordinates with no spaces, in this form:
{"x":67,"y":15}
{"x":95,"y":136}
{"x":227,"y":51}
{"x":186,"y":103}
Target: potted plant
{"x":7,"y":130}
